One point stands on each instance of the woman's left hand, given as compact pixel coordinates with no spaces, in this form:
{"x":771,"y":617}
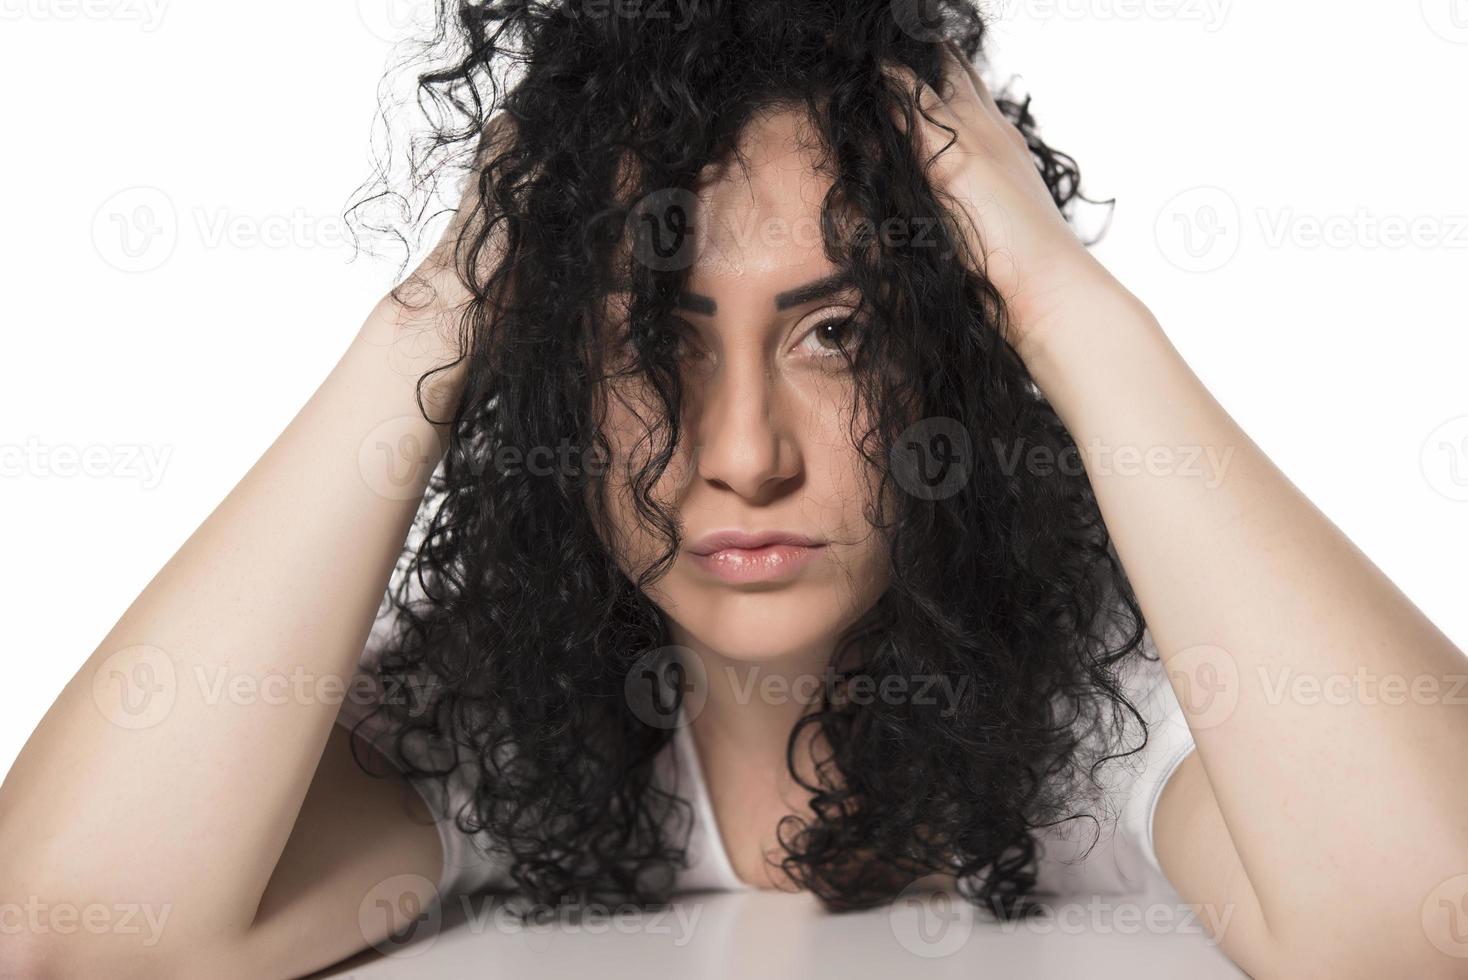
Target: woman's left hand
{"x":1026,"y":247}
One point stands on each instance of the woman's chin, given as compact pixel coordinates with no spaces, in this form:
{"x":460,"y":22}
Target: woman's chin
{"x":784,"y":631}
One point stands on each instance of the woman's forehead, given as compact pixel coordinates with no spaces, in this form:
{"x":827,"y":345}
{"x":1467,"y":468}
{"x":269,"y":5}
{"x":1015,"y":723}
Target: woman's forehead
{"x":766,"y":291}
{"x":770,"y":216}
{"x":747,"y":235}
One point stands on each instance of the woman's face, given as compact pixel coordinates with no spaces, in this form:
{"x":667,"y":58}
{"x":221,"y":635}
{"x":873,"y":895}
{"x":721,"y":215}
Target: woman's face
{"x":766,"y":442}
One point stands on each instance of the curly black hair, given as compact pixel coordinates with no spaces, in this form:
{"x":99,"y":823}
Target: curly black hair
{"x":1008,"y":586}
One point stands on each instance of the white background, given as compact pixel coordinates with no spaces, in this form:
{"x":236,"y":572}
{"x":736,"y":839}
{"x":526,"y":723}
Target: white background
{"x":1264,"y":155}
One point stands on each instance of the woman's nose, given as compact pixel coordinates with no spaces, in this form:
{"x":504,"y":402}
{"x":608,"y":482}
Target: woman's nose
{"x":744,"y":443}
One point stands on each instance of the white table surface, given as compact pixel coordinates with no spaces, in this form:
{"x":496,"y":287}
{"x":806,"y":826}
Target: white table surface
{"x":770,"y":936}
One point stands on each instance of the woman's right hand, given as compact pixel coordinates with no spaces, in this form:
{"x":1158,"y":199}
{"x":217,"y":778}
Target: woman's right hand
{"x":421,"y":319}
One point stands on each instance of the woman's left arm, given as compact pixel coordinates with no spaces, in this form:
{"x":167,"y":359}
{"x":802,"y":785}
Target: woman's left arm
{"x":1324,"y":815}
{"x":1326,"y":801}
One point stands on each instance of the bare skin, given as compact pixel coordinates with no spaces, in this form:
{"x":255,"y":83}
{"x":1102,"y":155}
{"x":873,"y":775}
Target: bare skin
{"x":244,"y":825}
{"x":1284,"y":810}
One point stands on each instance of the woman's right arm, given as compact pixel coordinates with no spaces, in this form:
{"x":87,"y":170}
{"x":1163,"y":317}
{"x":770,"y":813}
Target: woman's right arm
{"x":170,"y":774}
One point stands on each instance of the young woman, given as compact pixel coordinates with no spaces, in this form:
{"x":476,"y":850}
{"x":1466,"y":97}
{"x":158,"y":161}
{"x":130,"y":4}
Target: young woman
{"x":790,"y":486}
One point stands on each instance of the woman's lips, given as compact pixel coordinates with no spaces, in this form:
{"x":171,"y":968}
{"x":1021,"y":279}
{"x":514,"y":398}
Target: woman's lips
{"x":769,"y":563}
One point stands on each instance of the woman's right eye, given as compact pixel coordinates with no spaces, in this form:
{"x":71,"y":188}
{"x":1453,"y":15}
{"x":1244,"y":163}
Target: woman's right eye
{"x":676,"y":337}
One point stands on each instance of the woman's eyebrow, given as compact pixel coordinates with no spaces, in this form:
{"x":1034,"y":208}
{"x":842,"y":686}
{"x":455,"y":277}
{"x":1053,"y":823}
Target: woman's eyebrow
{"x":811,"y":291}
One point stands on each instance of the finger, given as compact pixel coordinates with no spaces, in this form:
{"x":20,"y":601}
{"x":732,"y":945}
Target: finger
{"x":976,"y":83}
{"x":905,"y":79}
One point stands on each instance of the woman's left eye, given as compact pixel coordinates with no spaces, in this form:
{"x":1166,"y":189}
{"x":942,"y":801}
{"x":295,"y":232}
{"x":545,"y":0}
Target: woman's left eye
{"x":831,"y":335}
